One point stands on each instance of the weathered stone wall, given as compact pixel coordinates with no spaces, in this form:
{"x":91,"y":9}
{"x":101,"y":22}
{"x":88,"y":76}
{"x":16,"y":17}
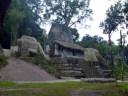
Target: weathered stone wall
{"x":61,"y":33}
{"x":28,"y":44}
{"x":66,"y":52}
{"x":23,"y":47}
{"x":7,"y":52}
{"x":97,"y":71}
{"x":58,"y":32}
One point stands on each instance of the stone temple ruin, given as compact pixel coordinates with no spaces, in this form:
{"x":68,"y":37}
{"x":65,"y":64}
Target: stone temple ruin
{"x":69,"y":58}
{"x":25,"y":46}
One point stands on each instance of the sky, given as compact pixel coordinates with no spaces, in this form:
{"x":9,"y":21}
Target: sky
{"x":99,"y":8}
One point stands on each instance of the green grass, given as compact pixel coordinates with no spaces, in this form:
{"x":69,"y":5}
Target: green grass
{"x":63,"y":89}
{"x":6,"y":84}
{"x":106,"y":89}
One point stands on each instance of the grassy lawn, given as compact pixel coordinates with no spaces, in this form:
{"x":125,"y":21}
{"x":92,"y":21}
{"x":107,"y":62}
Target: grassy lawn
{"x":60,"y":89}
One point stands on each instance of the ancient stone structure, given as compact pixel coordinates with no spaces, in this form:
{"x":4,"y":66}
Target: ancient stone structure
{"x":69,"y":58}
{"x":27,"y":45}
{"x":66,"y":56}
{"x":7,"y":52}
{"x":90,"y":54}
{"x":24,"y":47}
{"x":98,"y":80}
{"x":60,"y":33}
{"x":99,"y":66}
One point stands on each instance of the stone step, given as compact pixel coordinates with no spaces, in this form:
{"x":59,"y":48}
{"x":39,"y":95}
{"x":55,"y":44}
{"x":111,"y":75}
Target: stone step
{"x":72,"y":73}
{"x":69,"y":68}
{"x":67,"y":65}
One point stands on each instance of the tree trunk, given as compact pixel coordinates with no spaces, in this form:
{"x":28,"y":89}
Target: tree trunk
{"x":110,"y":46}
{"x":122,"y":42}
{"x":122,"y":71}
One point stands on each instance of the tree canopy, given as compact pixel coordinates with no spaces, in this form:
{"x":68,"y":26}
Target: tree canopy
{"x":67,"y":12}
{"x":22,"y":19}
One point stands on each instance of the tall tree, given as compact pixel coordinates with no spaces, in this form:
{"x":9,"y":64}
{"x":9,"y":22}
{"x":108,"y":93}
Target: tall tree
{"x":125,"y":11}
{"x":122,"y":44}
{"x":67,"y":12}
{"x":16,"y":16}
{"x":29,"y":25}
{"x":114,"y":18}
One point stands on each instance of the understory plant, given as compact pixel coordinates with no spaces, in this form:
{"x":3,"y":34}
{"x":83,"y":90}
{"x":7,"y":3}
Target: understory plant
{"x":3,"y":61}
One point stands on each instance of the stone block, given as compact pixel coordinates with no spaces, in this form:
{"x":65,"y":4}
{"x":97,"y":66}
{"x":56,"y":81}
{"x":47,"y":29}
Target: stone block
{"x":98,"y":80}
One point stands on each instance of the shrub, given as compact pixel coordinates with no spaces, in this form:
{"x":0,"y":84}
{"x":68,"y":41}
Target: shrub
{"x":3,"y":61}
{"x":125,"y":88}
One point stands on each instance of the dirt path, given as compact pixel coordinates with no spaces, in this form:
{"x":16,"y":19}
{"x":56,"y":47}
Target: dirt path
{"x":18,"y":70}
{"x":77,"y":92}
{"x":21,"y":89}
{"x":91,"y":94}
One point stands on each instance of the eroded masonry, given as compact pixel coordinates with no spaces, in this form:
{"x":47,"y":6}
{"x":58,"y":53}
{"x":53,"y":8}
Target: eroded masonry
{"x":71,"y":59}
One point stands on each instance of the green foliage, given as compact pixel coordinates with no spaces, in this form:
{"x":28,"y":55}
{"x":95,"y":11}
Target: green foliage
{"x":126,"y":53}
{"x":117,"y":72}
{"x":22,"y":19}
{"x":65,"y":10}
{"x":91,"y":65}
{"x":16,"y":16}
{"x":125,"y":88}
{"x":89,"y":62}
{"x":125,"y":11}
{"x":125,"y":67}
{"x":113,"y":19}
{"x":75,"y":34}
{"x":98,"y":43}
{"x":43,"y":39}
{"x":3,"y":61}
{"x":118,"y":69}
{"x":40,"y":60}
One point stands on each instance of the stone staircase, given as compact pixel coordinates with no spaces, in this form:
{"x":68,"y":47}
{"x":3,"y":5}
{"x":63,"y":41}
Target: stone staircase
{"x":69,"y":67}
{"x":97,"y":71}
{"x":76,"y":67}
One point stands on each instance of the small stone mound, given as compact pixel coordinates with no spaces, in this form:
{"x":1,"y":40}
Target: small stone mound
{"x":98,"y":80}
{"x":18,"y":70}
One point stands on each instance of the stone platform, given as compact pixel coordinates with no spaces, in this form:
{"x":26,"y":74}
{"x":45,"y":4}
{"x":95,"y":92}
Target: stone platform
{"x":98,"y":80}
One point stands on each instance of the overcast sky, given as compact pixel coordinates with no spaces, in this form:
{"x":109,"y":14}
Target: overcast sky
{"x":99,"y":8}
